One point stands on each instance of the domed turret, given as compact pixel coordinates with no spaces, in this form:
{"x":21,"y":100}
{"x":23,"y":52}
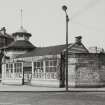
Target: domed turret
{"x":21,"y":43}
{"x":21,"y":34}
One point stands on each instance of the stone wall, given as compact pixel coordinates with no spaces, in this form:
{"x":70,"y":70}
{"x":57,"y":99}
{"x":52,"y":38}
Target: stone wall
{"x":86,"y":70}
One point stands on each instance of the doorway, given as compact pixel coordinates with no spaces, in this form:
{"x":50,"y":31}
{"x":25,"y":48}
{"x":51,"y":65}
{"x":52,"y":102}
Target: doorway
{"x":27,"y":76}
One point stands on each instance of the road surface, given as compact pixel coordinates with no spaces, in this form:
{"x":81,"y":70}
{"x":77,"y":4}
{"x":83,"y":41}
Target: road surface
{"x":52,"y":98}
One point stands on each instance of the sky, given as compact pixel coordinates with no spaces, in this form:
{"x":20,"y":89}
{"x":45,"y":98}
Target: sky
{"x":45,"y":20}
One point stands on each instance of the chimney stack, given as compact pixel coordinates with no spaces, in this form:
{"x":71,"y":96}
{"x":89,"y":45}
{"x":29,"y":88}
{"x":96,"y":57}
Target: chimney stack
{"x":78,"y":39}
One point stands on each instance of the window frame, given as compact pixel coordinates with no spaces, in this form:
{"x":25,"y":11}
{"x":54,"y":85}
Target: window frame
{"x":50,"y":66}
{"x":38,"y":68}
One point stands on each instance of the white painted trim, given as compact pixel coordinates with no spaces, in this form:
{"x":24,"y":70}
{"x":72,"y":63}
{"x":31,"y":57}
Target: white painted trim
{"x":44,"y":67}
{"x":35,"y":58}
{"x":32,"y":69}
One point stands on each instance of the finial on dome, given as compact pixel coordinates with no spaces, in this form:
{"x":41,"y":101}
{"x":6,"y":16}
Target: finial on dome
{"x":21,"y":29}
{"x":21,"y":19}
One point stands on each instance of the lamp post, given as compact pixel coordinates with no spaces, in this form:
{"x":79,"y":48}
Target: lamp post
{"x":66,"y":58}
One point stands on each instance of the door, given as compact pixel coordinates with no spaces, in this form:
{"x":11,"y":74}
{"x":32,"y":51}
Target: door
{"x":27,"y":75}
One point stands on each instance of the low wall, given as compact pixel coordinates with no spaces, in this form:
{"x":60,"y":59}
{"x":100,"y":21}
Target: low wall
{"x":12,"y":81}
{"x":47,"y":83}
{"x":86,"y":70}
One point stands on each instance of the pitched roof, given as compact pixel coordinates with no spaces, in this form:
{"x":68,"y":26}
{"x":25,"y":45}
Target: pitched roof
{"x":21,"y":44}
{"x":40,"y":51}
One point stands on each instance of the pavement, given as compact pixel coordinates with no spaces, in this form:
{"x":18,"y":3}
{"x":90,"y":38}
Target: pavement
{"x":52,"y":98}
{"x":44,"y":89}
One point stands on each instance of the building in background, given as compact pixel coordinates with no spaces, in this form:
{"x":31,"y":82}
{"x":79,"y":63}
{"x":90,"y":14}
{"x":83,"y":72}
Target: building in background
{"x":5,"y":40}
{"x":96,"y":50}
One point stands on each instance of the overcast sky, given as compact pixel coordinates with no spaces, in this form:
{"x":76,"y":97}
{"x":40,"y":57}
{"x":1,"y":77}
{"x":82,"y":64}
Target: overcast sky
{"x":45,"y":20}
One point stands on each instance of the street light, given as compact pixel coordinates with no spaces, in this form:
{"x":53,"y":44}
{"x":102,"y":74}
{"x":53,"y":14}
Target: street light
{"x":66,"y":58}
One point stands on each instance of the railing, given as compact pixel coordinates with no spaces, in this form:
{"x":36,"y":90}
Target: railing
{"x":49,"y":75}
{"x":18,"y":75}
{"x":9,"y":75}
{"x":13,"y":75}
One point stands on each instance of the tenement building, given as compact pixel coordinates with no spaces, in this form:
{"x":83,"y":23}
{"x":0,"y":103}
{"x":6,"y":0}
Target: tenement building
{"x":24,"y":63}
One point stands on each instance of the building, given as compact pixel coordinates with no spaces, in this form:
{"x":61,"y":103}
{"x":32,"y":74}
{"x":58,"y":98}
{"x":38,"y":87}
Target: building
{"x":45,"y":66}
{"x":5,"y":40}
{"x":96,"y":50}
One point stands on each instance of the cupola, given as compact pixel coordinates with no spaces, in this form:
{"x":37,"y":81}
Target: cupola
{"x":21,"y":34}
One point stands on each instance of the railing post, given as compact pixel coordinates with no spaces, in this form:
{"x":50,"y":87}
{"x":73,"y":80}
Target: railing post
{"x":22,"y":75}
{"x":13,"y":70}
{"x":32,"y":69}
{"x":44,"y":69}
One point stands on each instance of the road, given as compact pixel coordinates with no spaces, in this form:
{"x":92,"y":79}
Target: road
{"x":52,"y":98}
